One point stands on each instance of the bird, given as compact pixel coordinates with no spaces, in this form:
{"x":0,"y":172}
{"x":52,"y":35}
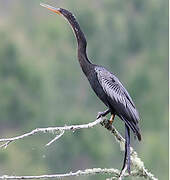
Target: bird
{"x":106,"y":86}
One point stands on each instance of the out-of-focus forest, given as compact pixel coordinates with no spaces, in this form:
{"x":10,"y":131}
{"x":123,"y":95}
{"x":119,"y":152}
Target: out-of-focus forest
{"x":41,"y":83}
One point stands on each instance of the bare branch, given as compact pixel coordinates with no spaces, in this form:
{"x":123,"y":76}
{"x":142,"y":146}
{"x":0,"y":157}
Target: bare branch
{"x":93,"y":171}
{"x":55,"y":139}
{"x":52,"y":130}
{"x":114,"y":172}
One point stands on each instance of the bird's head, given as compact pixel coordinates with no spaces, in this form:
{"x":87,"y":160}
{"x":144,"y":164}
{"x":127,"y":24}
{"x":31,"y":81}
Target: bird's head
{"x":73,"y":22}
{"x":68,"y":15}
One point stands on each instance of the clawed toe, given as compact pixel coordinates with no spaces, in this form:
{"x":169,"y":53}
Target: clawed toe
{"x":99,"y":115}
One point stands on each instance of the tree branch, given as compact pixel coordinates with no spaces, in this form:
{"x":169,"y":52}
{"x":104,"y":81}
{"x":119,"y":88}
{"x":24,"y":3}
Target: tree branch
{"x":52,"y":130}
{"x":93,"y":171}
{"x":137,"y":164}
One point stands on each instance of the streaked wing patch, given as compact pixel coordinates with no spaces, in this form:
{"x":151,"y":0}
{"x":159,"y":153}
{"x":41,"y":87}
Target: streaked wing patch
{"x":115,"y":90}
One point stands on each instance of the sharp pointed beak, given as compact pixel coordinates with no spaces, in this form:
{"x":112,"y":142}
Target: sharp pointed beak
{"x":56,"y":10}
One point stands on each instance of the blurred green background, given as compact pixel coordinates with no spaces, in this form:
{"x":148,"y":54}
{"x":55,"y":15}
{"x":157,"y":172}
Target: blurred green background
{"x":41,"y":83}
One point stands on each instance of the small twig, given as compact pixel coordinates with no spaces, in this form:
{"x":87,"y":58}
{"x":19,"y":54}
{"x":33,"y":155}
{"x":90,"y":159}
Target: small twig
{"x":5,"y":145}
{"x":55,"y":139}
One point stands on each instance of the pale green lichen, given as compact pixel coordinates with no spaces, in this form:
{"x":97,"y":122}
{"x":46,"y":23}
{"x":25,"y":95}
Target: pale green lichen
{"x":122,"y":145}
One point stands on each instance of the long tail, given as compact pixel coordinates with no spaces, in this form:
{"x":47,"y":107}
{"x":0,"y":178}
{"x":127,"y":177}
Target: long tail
{"x":127,"y":150}
{"x":133,"y":126}
{"x":127,"y":138}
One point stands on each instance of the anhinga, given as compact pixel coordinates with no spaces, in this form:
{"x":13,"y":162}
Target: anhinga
{"x":106,"y":86}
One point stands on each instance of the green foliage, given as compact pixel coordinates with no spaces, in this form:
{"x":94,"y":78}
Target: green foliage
{"x":42,"y":83}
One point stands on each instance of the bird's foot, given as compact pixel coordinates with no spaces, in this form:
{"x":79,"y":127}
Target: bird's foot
{"x":102,"y":114}
{"x":99,"y":115}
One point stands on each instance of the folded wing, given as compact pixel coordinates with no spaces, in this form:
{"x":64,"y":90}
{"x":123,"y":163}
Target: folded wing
{"x":119,"y":99}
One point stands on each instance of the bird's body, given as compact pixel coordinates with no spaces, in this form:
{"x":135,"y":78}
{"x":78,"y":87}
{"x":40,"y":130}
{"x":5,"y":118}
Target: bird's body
{"x":106,"y":86}
{"x":113,"y":94}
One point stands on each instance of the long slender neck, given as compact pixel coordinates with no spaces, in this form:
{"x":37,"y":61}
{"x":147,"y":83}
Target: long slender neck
{"x":81,"y":40}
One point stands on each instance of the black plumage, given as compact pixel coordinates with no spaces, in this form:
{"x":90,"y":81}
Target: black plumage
{"x":106,"y":86}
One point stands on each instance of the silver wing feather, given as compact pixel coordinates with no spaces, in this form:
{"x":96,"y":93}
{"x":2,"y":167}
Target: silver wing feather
{"x":119,"y":95}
